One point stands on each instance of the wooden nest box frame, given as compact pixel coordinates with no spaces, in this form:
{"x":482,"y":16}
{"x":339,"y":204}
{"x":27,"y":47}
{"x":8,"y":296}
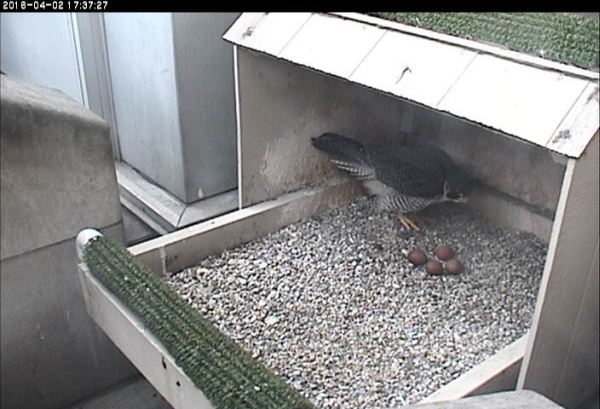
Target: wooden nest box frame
{"x":526,"y":128}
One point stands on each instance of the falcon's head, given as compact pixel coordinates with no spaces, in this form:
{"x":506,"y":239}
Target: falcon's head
{"x":457,"y":187}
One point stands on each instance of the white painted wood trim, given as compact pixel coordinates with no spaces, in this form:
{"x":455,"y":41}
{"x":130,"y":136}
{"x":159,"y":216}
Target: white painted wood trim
{"x":238,"y":123}
{"x":140,"y":346}
{"x":183,"y":248}
{"x":584,"y":342}
{"x":580,"y":122}
{"x":559,"y":215}
{"x":331,"y":45}
{"x":561,"y":350}
{"x":516,"y":99}
{"x":474,"y":45}
{"x":494,"y":374}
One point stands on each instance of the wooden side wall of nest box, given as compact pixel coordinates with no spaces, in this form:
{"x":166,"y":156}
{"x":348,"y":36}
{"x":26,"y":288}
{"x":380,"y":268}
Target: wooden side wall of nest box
{"x":561,"y":360}
{"x":281,"y":106}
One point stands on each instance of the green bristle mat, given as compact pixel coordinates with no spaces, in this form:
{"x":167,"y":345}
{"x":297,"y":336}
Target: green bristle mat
{"x":227,"y":374}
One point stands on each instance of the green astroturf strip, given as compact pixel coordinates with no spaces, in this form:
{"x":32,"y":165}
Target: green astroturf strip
{"x":222,"y":370}
{"x":563,"y":37}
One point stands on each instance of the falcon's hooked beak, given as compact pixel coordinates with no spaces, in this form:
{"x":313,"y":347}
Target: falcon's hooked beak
{"x":461,"y":198}
{"x":456,"y":197}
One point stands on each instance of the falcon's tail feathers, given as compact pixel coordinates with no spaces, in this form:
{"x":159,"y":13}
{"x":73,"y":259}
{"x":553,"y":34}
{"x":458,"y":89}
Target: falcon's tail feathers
{"x":347,"y":154}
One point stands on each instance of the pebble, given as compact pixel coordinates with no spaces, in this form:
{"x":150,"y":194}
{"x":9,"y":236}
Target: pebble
{"x":333,"y":306}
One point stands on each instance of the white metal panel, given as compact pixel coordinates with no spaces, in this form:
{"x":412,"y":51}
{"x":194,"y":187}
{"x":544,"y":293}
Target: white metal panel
{"x":572,"y":135}
{"x":41,"y":48}
{"x":94,"y":63}
{"x":143,"y":75}
{"x":206,"y":102}
{"x":517,"y":99}
{"x":398,"y":65}
{"x":332,"y":45}
{"x":256,"y":30}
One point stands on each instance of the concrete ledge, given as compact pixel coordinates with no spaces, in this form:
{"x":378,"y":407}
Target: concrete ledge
{"x":162,"y":211}
{"x":57,"y":177}
{"x":56,"y":168}
{"x":52,"y":352}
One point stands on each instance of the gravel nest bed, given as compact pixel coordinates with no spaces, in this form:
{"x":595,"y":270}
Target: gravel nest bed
{"x":333,"y":306}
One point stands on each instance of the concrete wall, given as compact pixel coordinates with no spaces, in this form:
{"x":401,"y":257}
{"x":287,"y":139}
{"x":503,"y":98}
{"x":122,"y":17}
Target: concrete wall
{"x":283,"y":105}
{"x":57,"y":177}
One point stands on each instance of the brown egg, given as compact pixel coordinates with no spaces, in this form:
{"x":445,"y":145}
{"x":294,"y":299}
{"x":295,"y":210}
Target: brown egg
{"x":417,"y":257}
{"x":444,"y":252}
{"x":434,"y":267}
{"x":453,"y":266}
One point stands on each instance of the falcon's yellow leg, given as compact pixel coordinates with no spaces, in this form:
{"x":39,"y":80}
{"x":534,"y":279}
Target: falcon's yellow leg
{"x":407,"y":222}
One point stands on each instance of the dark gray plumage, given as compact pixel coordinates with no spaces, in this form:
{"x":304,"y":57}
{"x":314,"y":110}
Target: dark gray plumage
{"x":405,"y":179}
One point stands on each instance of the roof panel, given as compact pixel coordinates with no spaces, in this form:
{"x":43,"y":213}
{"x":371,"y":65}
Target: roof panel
{"x":517,"y":99}
{"x":485,"y":48}
{"x":571,"y":136}
{"x":256,"y":30}
{"x":398,"y":65}
{"x":332,"y":45}
{"x":520,"y":95}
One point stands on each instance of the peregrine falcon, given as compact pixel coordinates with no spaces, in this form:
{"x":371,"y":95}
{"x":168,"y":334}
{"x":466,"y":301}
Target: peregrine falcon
{"x":405,"y":179}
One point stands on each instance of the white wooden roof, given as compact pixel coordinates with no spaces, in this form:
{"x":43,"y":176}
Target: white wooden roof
{"x":543,"y":102}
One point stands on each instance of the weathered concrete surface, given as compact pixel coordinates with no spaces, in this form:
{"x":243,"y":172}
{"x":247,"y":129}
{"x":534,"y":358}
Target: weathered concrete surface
{"x":130,"y":395}
{"x":283,"y":105}
{"x":57,"y":177}
{"x":55,"y":168}
{"x":52,"y":352}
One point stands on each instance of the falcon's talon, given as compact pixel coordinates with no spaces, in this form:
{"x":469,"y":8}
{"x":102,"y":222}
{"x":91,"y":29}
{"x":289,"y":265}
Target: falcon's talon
{"x":408,"y":223}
